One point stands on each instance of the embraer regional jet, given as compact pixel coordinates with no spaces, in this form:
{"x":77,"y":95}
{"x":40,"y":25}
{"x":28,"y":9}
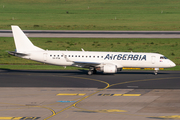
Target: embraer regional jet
{"x":107,"y":62}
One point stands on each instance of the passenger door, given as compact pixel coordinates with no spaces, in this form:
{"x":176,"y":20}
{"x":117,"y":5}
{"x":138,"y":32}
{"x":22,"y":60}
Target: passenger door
{"x":153,"y":59}
{"x":45,"y":56}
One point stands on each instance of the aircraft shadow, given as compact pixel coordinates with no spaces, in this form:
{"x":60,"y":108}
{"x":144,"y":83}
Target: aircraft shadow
{"x":81,"y":72}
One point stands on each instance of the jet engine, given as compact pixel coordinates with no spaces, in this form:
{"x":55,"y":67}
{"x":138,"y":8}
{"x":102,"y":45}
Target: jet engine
{"x":109,"y":69}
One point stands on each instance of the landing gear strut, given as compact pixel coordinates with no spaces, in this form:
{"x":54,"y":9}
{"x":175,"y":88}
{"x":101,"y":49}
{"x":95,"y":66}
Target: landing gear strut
{"x":156,"y":71}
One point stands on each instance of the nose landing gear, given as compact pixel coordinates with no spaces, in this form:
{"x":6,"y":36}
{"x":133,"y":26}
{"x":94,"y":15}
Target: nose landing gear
{"x":156,"y":71}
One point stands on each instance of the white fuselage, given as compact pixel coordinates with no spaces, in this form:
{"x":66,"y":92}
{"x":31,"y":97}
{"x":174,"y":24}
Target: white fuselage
{"x":120,"y":59}
{"x":108,"y":62}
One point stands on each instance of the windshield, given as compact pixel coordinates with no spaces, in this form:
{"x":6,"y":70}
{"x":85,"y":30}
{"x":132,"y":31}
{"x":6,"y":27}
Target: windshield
{"x":163,"y":57}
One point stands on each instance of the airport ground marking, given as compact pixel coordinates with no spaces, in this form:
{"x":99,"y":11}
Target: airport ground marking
{"x":117,"y":94}
{"x":10,"y":118}
{"x":104,"y":111}
{"x":71,"y":94}
{"x":74,"y":105}
{"x":167,"y":117}
{"x":67,"y":101}
{"x":130,"y":95}
{"x":108,"y":85}
{"x":19,"y":118}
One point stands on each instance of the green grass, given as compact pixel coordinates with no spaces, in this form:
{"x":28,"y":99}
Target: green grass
{"x":36,"y":67}
{"x":168,"y":47}
{"x":91,"y":14}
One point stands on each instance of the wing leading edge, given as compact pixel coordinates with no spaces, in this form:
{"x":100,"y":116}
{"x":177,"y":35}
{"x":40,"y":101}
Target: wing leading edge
{"x":85,"y":64}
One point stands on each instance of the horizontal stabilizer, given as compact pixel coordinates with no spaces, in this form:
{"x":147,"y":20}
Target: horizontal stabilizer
{"x":17,"y":54}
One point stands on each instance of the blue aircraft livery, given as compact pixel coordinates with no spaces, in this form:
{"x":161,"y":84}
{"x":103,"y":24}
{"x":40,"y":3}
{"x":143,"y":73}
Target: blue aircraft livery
{"x":125,"y":57}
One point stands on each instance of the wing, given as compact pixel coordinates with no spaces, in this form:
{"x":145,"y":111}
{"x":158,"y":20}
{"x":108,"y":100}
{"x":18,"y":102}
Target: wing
{"x":85,"y":64}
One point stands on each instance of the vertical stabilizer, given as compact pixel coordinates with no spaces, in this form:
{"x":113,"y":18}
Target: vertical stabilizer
{"x":22,"y":42}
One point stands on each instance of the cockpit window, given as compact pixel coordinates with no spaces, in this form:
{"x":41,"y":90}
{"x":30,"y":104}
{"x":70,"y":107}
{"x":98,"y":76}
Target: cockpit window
{"x":163,"y":57}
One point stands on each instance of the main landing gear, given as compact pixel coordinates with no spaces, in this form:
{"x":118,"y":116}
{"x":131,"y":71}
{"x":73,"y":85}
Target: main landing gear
{"x":91,"y":71}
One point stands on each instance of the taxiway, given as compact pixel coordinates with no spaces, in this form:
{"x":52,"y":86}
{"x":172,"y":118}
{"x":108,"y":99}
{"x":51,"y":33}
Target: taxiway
{"x":67,"y":95}
{"x":95,"y":34}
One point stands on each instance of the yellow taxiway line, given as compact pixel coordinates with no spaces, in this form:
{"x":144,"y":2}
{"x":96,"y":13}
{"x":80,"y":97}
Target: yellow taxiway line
{"x":71,"y":94}
{"x":19,"y":118}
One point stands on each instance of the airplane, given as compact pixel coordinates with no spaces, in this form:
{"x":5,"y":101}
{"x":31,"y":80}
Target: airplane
{"x":106,"y":62}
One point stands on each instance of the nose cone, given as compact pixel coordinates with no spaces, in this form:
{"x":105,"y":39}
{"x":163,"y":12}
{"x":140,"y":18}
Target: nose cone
{"x":172,"y":64}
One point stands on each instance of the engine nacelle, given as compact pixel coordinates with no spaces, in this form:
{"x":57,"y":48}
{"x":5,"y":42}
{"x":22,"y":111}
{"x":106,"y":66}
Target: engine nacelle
{"x":109,"y":69}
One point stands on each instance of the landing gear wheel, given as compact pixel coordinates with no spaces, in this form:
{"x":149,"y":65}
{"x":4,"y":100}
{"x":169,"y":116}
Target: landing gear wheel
{"x":90,"y":72}
{"x":155,"y":72}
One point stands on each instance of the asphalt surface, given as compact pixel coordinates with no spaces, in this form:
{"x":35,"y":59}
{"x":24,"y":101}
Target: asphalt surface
{"x":73,"y":95}
{"x":95,"y":34}
{"x":92,"y":32}
{"x":79,"y":79}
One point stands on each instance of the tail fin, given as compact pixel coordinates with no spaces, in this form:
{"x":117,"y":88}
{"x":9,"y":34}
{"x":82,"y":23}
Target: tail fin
{"x":22,"y":42}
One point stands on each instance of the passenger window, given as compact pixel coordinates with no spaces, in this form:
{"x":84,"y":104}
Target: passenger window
{"x":61,"y":55}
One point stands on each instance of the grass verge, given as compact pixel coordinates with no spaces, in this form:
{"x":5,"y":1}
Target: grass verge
{"x":168,"y":47}
{"x":91,"y":14}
